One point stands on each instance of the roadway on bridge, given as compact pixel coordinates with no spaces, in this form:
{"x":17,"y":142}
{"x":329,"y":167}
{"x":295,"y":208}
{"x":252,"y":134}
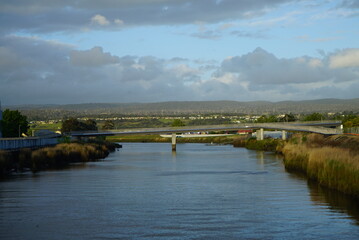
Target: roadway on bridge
{"x":327,"y":128}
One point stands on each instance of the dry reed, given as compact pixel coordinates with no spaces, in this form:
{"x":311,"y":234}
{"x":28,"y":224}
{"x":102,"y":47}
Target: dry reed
{"x":335,"y":167}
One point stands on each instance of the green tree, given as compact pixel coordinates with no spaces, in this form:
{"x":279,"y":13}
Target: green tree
{"x":288,"y":117}
{"x":352,"y":122}
{"x":108,"y":125}
{"x":14,"y":123}
{"x":314,"y":117}
{"x":72,"y":124}
{"x":178,"y":123}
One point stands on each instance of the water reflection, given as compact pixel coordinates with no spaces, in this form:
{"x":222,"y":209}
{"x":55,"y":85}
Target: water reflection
{"x":332,"y":199}
{"x":335,"y":200}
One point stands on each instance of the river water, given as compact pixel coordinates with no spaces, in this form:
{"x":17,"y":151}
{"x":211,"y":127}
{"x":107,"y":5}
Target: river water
{"x":144,"y":191}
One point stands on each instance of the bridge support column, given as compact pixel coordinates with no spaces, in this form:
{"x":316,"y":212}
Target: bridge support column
{"x":284,"y":135}
{"x":260,"y":134}
{"x":174,"y":142}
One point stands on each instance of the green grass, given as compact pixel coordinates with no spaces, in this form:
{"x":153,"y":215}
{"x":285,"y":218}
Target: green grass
{"x":158,"y":138}
{"x":48,"y":126}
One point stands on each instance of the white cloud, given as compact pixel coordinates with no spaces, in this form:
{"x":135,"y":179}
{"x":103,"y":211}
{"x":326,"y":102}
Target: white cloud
{"x":346,"y":58}
{"x":100,"y":20}
{"x":119,"y":22}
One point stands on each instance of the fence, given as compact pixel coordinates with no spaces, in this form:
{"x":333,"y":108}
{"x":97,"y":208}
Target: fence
{"x":352,"y":130}
{"x":33,"y":142}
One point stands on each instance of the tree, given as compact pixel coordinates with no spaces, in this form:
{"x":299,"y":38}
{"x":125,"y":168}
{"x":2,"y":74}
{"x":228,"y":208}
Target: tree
{"x":265,"y":119}
{"x":314,"y":117}
{"x":108,"y":125}
{"x":178,"y":123}
{"x":14,"y":123}
{"x":288,"y":118}
{"x":72,"y":124}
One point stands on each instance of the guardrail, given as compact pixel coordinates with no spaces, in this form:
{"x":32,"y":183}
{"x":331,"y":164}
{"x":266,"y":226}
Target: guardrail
{"x":316,"y":127}
{"x":31,"y":142}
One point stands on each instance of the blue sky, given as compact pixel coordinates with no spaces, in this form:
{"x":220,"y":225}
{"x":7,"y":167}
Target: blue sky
{"x":176,"y":50}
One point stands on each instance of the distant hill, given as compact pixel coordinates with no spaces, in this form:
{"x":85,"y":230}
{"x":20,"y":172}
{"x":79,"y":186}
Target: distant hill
{"x":186,"y":107}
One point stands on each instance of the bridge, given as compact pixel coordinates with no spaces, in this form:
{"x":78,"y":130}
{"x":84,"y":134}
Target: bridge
{"x":321,"y":127}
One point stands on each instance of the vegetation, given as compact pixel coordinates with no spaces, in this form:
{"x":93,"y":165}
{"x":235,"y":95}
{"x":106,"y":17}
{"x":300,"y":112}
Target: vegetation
{"x":314,"y":117}
{"x":72,"y":124}
{"x":55,"y":157}
{"x":158,"y":138}
{"x":101,"y":110}
{"x":268,"y":144}
{"x":332,"y":161}
{"x":178,"y":123}
{"x":13,"y":123}
{"x":108,"y":125}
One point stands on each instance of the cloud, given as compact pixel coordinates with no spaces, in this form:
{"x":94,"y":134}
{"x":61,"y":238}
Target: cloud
{"x":350,"y":4}
{"x":100,"y":20}
{"x":306,"y":38}
{"x":64,"y":74}
{"x":58,"y":15}
{"x":346,"y":58}
{"x":207,"y":35}
{"x":246,"y":34}
{"x":262,"y":68}
{"x":92,"y":57}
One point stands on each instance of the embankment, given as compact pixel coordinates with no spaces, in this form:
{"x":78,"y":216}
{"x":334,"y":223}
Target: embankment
{"x":332,"y":161}
{"x":158,"y":138}
{"x":268,"y":144}
{"x":55,"y":157}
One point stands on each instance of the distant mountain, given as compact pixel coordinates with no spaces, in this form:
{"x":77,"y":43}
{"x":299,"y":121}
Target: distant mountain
{"x":187,"y":107}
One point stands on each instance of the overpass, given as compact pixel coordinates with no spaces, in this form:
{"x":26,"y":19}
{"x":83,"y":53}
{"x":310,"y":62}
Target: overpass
{"x":321,"y":127}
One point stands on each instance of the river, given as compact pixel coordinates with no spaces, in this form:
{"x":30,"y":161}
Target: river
{"x":144,"y":191}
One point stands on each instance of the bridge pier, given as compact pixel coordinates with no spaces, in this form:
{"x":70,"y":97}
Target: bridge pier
{"x":284,"y":135}
{"x":174,"y":136}
{"x":260,"y":134}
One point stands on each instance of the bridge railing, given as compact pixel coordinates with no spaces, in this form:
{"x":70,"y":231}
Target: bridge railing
{"x":317,"y":127}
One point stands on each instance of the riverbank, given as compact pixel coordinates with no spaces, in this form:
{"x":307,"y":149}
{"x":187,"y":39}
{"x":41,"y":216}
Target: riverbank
{"x":331,"y":161}
{"x":157,"y":138}
{"x":59,"y":156}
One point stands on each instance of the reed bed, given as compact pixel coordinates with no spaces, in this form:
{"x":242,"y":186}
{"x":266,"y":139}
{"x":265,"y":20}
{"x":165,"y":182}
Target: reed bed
{"x":327,"y":160}
{"x":59,"y":156}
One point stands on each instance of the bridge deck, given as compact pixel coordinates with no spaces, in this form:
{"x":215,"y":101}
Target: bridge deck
{"x":314,"y":127}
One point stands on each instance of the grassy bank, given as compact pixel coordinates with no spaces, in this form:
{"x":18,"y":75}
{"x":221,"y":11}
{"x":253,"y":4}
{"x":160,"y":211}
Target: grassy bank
{"x":58,"y":156}
{"x":268,"y":144}
{"x":158,"y":138}
{"x":332,"y":161}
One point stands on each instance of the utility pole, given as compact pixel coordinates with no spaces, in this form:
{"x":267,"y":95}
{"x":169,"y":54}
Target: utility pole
{"x":0,"y":121}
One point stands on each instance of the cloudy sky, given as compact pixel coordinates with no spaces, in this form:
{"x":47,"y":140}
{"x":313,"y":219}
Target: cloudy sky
{"x":66,"y":51}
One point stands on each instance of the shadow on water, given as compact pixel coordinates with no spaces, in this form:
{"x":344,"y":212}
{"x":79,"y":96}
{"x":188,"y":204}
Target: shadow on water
{"x":334,"y":200}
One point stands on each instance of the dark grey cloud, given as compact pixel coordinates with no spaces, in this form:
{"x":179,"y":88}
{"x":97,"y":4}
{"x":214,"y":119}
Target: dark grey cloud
{"x":66,"y":15}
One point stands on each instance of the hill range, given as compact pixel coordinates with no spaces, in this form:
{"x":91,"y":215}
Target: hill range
{"x":187,"y":107}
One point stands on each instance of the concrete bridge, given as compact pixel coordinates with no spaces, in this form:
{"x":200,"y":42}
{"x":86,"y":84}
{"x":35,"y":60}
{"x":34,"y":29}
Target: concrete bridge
{"x":321,"y":127}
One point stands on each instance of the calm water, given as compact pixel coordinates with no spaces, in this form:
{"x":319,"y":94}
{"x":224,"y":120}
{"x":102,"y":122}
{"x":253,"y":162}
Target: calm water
{"x":144,"y":191}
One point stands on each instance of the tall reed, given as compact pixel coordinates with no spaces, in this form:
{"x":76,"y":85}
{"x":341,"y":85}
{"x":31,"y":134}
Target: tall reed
{"x":334,"y":167}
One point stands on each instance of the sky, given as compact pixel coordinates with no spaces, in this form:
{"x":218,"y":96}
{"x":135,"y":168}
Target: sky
{"x":118,"y":51}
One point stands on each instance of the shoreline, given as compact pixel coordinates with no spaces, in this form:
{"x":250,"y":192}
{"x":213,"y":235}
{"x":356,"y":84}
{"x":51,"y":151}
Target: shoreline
{"x":54,"y":157}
